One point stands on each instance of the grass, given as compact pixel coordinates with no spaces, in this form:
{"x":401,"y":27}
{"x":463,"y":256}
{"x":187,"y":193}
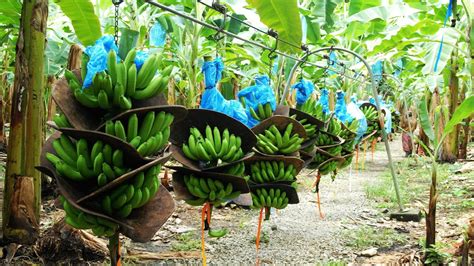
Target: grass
{"x":414,"y":179}
{"x":364,"y":237}
{"x":186,"y":242}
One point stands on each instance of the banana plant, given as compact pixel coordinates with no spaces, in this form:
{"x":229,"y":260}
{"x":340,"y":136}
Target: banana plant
{"x":436,"y":136}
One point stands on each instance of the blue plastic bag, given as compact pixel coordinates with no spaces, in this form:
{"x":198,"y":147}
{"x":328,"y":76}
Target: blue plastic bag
{"x":98,"y":54}
{"x":340,"y":110}
{"x":355,"y":112}
{"x":261,"y":93}
{"x":140,"y":59}
{"x":212,"y":98}
{"x":304,"y":89}
{"x":324,"y":101}
{"x":157,"y":35}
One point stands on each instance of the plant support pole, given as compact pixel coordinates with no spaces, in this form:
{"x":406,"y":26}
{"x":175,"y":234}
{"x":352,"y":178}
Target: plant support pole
{"x":377,"y":103}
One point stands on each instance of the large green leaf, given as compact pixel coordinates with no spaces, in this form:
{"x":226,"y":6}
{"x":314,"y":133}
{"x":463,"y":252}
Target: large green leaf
{"x":324,"y":9}
{"x":85,"y":22}
{"x":383,"y":12}
{"x":425,"y":119}
{"x":313,"y":34}
{"x":464,"y":110}
{"x":10,"y":11}
{"x":449,"y":37}
{"x":282,"y":16}
{"x":356,"y":6}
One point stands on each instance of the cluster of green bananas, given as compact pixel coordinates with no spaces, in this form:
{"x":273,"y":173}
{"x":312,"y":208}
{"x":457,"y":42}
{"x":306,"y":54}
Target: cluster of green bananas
{"x":214,"y":146}
{"x":334,"y":127}
{"x":324,"y":139}
{"x":274,"y":198}
{"x":328,"y":167}
{"x":370,"y":113}
{"x":237,"y":169}
{"x":262,"y":112}
{"x":122,"y":200}
{"x":79,"y":163}
{"x":121,"y":83}
{"x":61,"y":120}
{"x":148,"y":136}
{"x":271,"y":171}
{"x":272,"y":141}
{"x":81,"y":220}
{"x":349,"y":135}
{"x":310,"y":128}
{"x":208,"y":190}
{"x":313,"y":108}
{"x":346,"y":162}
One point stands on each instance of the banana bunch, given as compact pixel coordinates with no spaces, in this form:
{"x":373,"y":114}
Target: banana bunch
{"x":353,"y":125}
{"x":313,"y":108}
{"x":237,"y":169}
{"x":334,"y":127}
{"x":324,"y":139}
{"x":262,"y":112}
{"x":274,"y":198}
{"x":78,"y":162}
{"x":148,"y":136}
{"x":272,"y":171}
{"x":310,"y":128}
{"x":81,"y":220}
{"x":325,"y":168}
{"x":214,"y":146}
{"x":349,"y":135}
{"x":370,"y":113}
{"x":272,"y":141}
{"x":122,"y":200}
{"x":207,"y":189}
{"x":61,"y":121}
{"x":328,"y":167}
{"x":121,"y":83}
{"x":346,"y":162}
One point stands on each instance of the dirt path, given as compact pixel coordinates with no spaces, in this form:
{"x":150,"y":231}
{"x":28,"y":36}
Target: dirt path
{"x":294,"y":235}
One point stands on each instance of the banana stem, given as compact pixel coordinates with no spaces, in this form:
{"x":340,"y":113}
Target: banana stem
{"x":114,"y":249}
{"x":267,"y":213}
{"x":203,"y":243}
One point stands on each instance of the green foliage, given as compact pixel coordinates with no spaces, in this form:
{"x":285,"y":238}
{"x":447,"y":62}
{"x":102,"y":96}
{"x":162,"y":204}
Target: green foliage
{"x":186,"y":242}
{"x":366,"y":236}
{"x":10,"y":12}
{"x":464,"y":110}
{"x":85,"y":22}
{"x":356,"y":6}
{"x":282,"y":16}
{"x":425,"y":119}
{"x":437,"y":254}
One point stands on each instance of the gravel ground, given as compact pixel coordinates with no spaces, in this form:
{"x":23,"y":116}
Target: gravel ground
{"x":296,"y":234}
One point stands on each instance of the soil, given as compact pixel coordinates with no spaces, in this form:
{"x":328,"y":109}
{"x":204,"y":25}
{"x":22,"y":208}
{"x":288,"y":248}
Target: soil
{"x":296,"y":235}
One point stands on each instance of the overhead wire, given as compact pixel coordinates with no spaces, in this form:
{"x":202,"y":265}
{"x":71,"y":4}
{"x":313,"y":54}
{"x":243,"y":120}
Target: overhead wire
{"x":252,"y":42}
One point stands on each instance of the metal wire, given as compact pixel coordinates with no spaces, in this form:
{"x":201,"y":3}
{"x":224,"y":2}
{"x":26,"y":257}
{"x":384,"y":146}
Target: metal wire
{"x":233,"y":35}
{"x":303,"y":47}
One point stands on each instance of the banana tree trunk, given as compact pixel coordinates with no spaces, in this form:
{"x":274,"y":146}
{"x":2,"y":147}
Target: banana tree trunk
{"x":451,"y":144}
{"x":22,"y":195}
{"x":465,"y":129}
{"x":3,"y":89}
